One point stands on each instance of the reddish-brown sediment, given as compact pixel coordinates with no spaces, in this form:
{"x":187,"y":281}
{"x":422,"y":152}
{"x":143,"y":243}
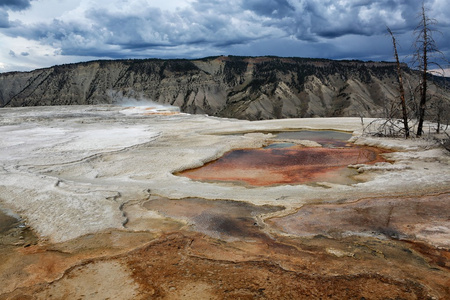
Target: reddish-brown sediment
{"x":294,"y":165}
{"x":423,"y":219}
{"x":227,"y":220}
{"x":319,"y":260}
{"x":25,"y":263}
{"x":185,"y":269}
{"x":154,"y":111}
{"x":374,"y":248}
{"x":189,"y":265}
{"x":163,"y":113}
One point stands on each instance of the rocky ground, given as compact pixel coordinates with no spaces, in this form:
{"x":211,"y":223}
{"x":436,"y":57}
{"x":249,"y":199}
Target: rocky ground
{"x":93,"y":206}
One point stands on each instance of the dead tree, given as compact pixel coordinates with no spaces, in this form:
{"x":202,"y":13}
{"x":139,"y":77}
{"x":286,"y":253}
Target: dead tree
{"x":400,"y":86}
{"x":441,"y":110}
{"x":426,"y":48}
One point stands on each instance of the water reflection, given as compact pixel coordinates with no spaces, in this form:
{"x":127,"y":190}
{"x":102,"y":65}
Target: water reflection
{"x":327,"y":138}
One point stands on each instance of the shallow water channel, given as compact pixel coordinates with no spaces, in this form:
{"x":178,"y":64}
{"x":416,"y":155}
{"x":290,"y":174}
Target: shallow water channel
{"x":228,"y":220}
{"x":13,"y":230}
{"x":288,"y":162}
{"x":7,"y":222}
{"x":326,"y":138}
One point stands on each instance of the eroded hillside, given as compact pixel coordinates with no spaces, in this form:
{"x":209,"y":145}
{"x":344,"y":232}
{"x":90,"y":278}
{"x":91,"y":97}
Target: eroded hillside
{"x":240,"y":87}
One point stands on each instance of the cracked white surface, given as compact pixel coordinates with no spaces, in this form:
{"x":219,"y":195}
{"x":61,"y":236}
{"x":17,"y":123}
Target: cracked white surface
{"x":68,"y":170}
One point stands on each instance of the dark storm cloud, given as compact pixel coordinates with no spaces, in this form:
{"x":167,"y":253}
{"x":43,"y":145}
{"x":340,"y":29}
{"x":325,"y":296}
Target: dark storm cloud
{"x":270,"y":8}
{"x":149,"y":27}
{"x":15,"y":4}
{"x":207,"y":27}
{"x":4,"y":19}
{"x":331,"y":19}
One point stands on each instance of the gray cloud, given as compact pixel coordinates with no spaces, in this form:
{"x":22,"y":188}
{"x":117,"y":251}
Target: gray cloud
{"x":270,"y":8}
{"x":331,"y":19}
{"x":15,"y":4}
{"x":4,"y":19}
{"x":325,"y":28}
{"x":147,"y":28}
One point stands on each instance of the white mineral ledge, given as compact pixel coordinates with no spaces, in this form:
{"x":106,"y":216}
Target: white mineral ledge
{"x":68,"y":170}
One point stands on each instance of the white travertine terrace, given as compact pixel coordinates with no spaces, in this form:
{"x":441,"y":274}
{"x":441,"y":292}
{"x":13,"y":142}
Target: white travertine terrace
{"x":68,"y":170}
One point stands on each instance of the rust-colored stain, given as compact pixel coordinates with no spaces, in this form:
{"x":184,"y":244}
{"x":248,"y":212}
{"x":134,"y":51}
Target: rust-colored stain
{"x":163,"y":113}
{"x":293,"y":165}
{"x":415,"y":219}
{"x":226,"y":220}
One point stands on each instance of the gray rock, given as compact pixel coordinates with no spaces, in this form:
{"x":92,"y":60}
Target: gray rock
{"x":239,"y":87}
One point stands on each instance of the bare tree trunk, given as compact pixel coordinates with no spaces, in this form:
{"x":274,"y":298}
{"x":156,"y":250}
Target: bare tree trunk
{"x":438,"y":116}
{"x":423,"y":97}
{"x":423,"y":90}
{"x":400,"y":86}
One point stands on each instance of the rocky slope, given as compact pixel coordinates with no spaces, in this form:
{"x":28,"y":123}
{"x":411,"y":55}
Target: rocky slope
{"x":240,"y":87}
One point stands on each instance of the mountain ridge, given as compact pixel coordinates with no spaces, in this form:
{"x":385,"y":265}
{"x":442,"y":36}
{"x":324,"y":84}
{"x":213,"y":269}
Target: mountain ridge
{"x":252,"y":88}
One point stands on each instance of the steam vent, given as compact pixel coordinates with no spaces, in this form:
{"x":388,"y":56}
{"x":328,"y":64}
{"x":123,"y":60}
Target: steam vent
{"x":149,"y":202}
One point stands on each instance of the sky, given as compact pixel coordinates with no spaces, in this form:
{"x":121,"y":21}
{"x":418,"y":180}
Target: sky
{"x":42,"y":33}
